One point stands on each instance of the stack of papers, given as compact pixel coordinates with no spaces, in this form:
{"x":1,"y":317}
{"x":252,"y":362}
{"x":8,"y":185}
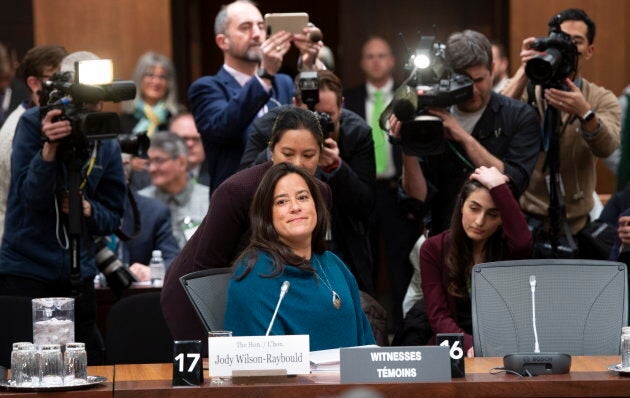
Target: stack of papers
{"x":325,"y":361}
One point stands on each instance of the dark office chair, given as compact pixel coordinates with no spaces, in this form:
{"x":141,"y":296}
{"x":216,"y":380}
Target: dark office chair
{"x":581,"y":306}
{"x":207,"y":291}
{"x":16,"y":313}
{"x":136,"y":331}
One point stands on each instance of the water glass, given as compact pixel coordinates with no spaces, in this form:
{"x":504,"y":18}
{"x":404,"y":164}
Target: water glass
{"x":50,"y":365}
{"x":24,"y":367}
{"x":219,"y":333}
{"x":75,"y":364}
{"x":53,"y":320}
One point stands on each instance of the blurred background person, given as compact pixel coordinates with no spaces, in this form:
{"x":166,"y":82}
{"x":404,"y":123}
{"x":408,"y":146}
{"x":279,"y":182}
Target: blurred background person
{"x":38,"y":66}
{"x":392,"y":232}
{"x":155,"y":103}
{"x":487,"y":225}
{"x":170,"y":184}
{"x":289,"y":223}
{"x":12,"y":90}
{"x":184,"y":126}
{"x":500,"y":76}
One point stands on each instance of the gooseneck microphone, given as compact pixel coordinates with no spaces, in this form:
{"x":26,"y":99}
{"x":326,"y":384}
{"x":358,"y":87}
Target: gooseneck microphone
{"x":532,"y":285}
{"x":537,"y":363}
{"x":283,"y":291}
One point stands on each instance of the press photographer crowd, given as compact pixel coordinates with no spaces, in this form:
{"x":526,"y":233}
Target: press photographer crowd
{"x":374,"y":202}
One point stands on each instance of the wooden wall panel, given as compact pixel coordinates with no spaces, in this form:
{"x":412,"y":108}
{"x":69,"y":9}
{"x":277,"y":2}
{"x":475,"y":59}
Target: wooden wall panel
{"x":118,"y":29}
{"x":609,"y":65}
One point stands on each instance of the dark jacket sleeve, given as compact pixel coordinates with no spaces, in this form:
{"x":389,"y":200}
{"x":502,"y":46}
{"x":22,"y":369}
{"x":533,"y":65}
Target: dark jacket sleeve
{"x":107,"y":195}
{"x":515,"y":230}
{"x":353,"y":183}
{"x":221,"y":113}
{"x":258,"y":138}
{"x":522,"y":153}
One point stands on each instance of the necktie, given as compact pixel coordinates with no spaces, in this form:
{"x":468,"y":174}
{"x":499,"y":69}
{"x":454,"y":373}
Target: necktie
{"x":380,"y":146}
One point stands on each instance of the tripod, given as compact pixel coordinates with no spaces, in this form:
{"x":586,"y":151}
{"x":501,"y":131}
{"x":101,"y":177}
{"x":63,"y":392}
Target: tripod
{"x":558,"y":225}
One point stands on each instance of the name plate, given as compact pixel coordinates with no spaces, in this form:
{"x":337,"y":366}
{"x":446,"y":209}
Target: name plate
{"x":227,"y":354}
{"x":394,"y":364}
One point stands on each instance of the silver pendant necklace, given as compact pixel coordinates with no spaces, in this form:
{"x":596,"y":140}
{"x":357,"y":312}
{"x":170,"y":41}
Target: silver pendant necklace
{"x":336,"y":300}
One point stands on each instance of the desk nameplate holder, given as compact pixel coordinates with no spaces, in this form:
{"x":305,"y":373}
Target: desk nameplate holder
{"x":394,"y":364}
{"x":254,"y":359}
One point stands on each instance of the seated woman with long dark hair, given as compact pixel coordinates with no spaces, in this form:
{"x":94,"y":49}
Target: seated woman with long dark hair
{"x":487,"y":225}
{"x":289,"y":221}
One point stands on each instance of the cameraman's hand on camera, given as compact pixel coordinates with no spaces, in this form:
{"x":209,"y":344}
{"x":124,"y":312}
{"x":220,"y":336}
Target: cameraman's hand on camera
{"x":571,"y":101}
{"x":54,"y":132}
{"x":273,"y":50}
{"x":517,"y":83}
{"x":489,"y":177}
{"x":309,"y":50}
{"x":65,"y":206}
{"x":329,"y":159}
{"x":141,"y":272}
{"x":394,"y":126}
{"x":452,"y":129}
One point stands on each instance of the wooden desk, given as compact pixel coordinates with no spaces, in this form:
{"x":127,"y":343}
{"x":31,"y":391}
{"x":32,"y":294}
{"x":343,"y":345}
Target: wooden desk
{"x":588,"y":378}
{"x":104,"y":390}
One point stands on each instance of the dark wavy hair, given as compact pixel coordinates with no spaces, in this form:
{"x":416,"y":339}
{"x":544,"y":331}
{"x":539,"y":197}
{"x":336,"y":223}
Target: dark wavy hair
{"x":574,"y":14}
{"x":459,"y":254}
{"x":264,"y":235}
{"x":294,"y":118}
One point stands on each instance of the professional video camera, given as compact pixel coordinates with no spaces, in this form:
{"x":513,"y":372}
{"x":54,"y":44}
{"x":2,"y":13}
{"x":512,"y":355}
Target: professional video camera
{"x":135,"y":144}
{"x":308,"y":82}
{"x":557,"y":61}
{"x":431,"y":84}
{"x":92,"y":83}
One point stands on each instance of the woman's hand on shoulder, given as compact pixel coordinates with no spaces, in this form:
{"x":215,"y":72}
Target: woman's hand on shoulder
{"x":489,"y":177}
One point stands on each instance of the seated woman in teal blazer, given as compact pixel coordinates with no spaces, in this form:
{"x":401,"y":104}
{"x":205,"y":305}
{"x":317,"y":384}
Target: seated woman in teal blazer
{"x":289,"y":221}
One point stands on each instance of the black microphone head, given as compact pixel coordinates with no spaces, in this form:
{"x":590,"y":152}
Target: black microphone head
{"x":404,"y":110}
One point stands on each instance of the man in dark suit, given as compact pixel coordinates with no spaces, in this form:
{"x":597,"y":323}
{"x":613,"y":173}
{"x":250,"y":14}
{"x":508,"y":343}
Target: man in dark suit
{"x":247,"y":85}
{"x":392,"y":232}
{"x":346,"y":164}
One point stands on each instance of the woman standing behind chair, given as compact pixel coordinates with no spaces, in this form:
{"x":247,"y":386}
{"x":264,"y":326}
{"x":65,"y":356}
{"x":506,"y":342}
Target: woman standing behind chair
{"x":289,"y":221}
{"x":487,"y":225}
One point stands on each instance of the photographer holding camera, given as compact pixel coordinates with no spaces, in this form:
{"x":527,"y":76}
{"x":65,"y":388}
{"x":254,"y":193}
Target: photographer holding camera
{"x":34,"y":258}
{"x":589,"y":125}
{"x":487,"y":129}
{"x":246,"y":86}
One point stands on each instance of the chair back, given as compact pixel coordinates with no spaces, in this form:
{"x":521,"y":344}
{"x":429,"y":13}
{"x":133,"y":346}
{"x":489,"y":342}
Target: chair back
{"x":16,"y":313}
{"x":207,"y":291}
{"x":580,"y":306}
{"x":136,"y":331}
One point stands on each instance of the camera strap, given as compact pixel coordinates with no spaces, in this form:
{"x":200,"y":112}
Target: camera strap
{"x":459,"y":155}
{"x":137,"y":224}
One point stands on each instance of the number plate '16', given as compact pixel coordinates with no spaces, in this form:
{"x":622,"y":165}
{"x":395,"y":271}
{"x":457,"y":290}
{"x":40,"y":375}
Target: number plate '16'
{"x":456,"y":343}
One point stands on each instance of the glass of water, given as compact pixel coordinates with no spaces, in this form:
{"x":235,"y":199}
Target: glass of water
{"x":75,"y":364}
{"x":50,"y":365}
{"x":24,"y":366}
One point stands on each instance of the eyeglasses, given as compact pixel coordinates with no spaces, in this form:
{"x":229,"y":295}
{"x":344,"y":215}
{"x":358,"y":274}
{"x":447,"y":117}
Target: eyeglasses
{"x":155,"y":76}
{"x":158,"y":161}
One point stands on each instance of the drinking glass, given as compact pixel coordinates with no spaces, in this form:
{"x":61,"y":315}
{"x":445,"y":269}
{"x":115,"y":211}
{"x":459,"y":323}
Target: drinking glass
{"x":50,"y":365}
{"x":75,"y":364}
{"x":24,"y":367}
{"x":217,"y":380}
